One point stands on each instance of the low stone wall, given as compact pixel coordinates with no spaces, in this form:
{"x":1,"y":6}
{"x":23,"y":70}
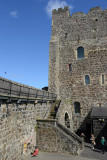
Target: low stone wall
{"x":18,"y":127}
{"x":51,"y":137}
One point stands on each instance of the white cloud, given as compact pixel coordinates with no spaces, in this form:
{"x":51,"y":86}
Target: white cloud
{"x":14,"y":14}
{"x":55,"y":4}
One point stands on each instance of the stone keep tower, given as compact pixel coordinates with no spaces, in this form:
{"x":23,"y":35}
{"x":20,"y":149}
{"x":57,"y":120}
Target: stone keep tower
{"x":78,"y":64}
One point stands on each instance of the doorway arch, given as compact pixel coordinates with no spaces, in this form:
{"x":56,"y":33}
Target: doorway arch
{"x":67,"y":121}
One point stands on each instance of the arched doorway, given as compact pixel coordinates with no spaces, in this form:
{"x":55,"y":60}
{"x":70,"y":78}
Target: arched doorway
{"x":67,"y":122}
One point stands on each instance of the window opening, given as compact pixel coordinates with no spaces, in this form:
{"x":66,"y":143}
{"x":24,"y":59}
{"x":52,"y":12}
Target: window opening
{"x":66,"y":35}
{"x":102,"y":78}
{"x":87,"y":79}
{"x":80,"y":52}
{"x":77,"y":107}
{"x":70,"y":67}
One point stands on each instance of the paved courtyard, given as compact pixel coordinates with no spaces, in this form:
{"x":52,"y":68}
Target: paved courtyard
{"x":87,"y":154}
{"x":54,"y":156}
{"x":94,"y":154}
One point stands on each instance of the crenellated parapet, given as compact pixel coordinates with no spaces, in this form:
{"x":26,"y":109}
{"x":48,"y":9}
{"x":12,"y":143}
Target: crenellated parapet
{"x":61,"y":10}
{"x":66,"y":11}
{"x":63,"y":21}
{"x":95,"y":9}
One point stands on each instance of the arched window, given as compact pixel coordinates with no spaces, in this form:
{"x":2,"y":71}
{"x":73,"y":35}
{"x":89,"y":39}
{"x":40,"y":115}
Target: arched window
{"x":77,"y":107}
{"x":87,"y":79}
{"x":80,"y":52}
{"x":67,"y":122}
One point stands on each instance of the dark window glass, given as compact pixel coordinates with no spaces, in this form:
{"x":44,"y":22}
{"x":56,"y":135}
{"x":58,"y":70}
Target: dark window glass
{"x":70,"y":67}
{"x":77,"y":107}
{"x":87,"y":79}
{"x":102,"y":79}
{"x":80,"y":52}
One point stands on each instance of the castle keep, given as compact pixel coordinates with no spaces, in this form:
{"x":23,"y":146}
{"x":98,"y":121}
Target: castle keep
{"x":77,"y":97}
{"x":78,"y":66}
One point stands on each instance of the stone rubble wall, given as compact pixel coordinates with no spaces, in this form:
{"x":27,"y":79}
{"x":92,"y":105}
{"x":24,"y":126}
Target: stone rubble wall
{"x":43,"y":110}
{"x":68,"y":33}
{"x":100,"y":127}
{"x":53,"y":137}
{"x":18,"y":128}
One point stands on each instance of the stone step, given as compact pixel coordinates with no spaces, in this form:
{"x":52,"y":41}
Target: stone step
{"x":52,"y":111}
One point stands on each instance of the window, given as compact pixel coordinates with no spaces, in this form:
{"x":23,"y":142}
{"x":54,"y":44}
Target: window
{"x":102,"y":78}
{"x":69,"y":67}
{"x":77,"y":107}
{"x":80,"y":52}
{"x":66,"y":35}
{"x":87,"y":79}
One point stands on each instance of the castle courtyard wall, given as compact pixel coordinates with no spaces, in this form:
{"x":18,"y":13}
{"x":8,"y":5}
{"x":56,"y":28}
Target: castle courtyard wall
{"x":18,"y":128}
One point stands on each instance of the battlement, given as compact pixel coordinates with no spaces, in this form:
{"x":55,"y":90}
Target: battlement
{"x":77,"y":14}
{"x":95,"y":9}
{"x":65,"y":10}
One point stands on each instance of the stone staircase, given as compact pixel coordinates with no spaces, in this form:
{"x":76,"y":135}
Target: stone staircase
{"x":71,"y":135}
{"x":54,"y":109}
{"x":54,"y":137}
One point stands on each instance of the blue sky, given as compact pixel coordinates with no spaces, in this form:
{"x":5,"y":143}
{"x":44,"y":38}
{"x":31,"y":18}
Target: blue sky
{"x":25,"y":32}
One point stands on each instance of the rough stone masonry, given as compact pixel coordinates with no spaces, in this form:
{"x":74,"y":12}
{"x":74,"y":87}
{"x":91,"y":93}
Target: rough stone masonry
{"x":78,"y":64}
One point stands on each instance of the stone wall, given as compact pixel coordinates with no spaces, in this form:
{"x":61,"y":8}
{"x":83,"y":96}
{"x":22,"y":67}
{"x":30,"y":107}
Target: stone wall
{"x":100,"y":128}
{"x":68,"y":33}
{"x":54,"y":137}
{"x":43,"y":110}
{"x":18,"y":127}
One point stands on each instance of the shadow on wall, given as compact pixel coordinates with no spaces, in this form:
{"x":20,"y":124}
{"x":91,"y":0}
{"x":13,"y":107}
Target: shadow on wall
{"x":102,"y":133}
{"x":85,"y":128}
